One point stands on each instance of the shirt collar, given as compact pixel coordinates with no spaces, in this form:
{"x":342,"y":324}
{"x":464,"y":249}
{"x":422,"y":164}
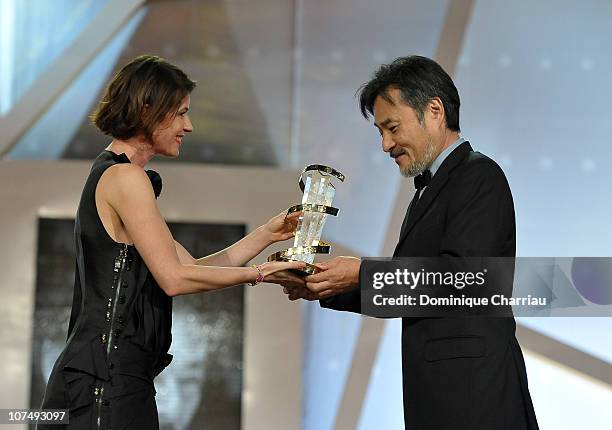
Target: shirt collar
{"x":440,"y":159}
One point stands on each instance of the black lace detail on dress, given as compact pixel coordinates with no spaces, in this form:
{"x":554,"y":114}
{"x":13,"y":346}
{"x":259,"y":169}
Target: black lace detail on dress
{"x":119,"y":158}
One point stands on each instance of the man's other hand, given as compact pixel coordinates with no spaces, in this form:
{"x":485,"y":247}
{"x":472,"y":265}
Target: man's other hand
{"x":338,"y":275}
{"x":300,"y":293}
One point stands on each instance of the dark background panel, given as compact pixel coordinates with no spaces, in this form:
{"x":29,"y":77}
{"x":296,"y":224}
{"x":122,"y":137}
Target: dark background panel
{"x":201,"y":389}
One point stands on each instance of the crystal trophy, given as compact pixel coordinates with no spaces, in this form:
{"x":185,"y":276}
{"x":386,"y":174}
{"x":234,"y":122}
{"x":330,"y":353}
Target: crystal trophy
{"x":316,"y":181}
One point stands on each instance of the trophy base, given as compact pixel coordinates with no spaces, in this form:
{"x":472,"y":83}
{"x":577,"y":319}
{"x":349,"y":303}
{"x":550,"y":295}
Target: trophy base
{"x":310,"y":269}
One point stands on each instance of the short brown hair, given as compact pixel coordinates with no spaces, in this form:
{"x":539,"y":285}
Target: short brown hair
{"x":147,"y":81}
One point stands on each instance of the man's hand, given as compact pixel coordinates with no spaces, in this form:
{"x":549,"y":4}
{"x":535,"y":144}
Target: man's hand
{"x":338,"y":275}
{"x":300,"y":293}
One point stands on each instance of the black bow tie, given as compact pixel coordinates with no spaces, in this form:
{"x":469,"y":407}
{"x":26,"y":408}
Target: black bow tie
{"x":422,"y":180}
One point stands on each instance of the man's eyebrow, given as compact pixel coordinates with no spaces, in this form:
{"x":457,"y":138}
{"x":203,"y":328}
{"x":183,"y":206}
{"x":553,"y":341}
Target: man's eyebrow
{"x":384,"y":123}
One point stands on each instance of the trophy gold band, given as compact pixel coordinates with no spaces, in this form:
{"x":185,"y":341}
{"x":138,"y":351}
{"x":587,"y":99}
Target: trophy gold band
{"x":316,"y":184}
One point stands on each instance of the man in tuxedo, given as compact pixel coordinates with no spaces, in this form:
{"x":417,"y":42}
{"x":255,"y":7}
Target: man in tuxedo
{"x":458,"y":373}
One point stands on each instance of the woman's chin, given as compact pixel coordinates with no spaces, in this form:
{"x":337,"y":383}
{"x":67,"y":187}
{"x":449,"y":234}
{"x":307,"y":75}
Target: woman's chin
{"x":172,"y":153}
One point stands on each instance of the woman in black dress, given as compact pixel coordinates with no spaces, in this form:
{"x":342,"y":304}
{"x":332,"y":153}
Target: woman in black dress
{"x":128,"y":266}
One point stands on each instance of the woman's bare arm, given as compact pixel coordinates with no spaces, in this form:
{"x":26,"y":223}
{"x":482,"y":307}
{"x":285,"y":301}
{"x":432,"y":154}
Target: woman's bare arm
{"x":128,"y":191}
{"x":279,"y":228}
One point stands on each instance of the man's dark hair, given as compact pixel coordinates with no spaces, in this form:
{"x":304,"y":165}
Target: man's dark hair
{"x":419,"y":79}
{"x":146,"y":81}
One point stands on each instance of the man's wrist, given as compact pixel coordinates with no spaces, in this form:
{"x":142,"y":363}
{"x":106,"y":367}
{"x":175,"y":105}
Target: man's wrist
{"x":356,"y":273}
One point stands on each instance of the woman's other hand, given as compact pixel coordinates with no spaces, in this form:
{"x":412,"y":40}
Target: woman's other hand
{"x":282,"y":226}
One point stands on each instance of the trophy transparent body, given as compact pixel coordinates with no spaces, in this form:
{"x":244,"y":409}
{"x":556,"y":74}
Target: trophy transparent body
{"x":318,"y":190}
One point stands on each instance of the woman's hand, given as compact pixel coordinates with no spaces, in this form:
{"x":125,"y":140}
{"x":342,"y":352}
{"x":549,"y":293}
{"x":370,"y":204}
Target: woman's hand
{"x":277,"y":272}
{"x":282,"y":226}
{"x":287,"y":279}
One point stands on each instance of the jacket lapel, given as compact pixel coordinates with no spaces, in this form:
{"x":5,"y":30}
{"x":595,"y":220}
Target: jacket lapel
{"x":433,"y":189}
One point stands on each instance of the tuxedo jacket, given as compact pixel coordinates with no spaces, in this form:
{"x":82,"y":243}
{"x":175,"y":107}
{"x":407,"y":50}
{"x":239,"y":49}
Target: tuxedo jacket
{"x":460,"y":373}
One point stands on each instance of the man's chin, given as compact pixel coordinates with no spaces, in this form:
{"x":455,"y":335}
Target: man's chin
{"x":407,"y":171}
{"x":411,"y":170}
{"x":403,"y":165}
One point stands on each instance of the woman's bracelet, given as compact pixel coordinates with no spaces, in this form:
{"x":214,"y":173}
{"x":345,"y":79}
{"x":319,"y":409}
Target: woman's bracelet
{"x":260,"y":275}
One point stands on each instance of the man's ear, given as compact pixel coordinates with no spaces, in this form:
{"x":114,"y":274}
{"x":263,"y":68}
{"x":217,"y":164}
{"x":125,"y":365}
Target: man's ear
{"x":435,"y":111}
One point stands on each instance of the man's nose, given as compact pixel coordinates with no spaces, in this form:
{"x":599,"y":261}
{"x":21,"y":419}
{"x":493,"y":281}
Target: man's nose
{"x":387,"y":143}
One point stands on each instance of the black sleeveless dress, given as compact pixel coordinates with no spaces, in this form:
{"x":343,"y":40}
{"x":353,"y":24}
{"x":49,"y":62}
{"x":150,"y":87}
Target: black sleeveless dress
{"x":119,"y":331}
